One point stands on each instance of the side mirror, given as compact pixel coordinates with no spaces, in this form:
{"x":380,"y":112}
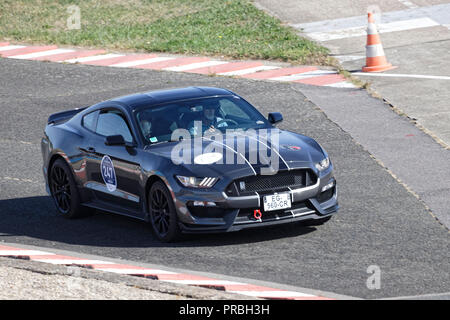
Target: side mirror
{"x":117,"y":140}
{"x":275,"y":117}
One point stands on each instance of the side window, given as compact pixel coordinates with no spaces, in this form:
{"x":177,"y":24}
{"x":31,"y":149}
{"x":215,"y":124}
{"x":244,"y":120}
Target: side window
{"x":89,"y":121}
{"x":230,"y":109}
{"x":111,"y":123}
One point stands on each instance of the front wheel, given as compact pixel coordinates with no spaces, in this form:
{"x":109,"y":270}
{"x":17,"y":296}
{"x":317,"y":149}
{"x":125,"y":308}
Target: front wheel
{"x":163,"y":216}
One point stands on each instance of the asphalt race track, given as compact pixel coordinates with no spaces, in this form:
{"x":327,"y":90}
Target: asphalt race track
{"x":380,"y":223}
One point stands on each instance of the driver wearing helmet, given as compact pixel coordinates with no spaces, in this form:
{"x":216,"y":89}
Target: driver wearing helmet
{"x":210,"y":120}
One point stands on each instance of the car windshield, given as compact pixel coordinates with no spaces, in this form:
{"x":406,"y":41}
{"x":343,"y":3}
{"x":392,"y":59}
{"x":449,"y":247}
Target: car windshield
{"x":199,"y":117}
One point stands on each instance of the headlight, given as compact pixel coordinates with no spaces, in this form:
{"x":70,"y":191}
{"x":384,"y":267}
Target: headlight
{"x":194,"y":182}
{"x":324,"y":164}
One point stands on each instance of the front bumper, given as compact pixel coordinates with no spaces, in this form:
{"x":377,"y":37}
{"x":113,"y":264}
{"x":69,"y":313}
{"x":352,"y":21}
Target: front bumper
{"x":237,"y":213}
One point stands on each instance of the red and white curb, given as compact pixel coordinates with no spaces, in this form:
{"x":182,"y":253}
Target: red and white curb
{"x":158,"y":274}
{"x":199,"y":65}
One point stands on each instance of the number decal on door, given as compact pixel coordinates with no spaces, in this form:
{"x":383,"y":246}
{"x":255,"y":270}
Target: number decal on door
{"x":108,"y":173}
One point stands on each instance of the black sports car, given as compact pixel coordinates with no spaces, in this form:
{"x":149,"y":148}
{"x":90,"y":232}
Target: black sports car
{"x":195,"y":159}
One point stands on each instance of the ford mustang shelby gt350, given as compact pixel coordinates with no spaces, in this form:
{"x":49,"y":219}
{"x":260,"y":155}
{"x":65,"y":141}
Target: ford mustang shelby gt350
{"x":195,"y":159}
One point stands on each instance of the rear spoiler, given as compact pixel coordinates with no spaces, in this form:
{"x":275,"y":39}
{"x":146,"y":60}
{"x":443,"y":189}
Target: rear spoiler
{"x":63,"y":116}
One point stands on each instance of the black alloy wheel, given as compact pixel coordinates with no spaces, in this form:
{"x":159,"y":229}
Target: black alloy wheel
{"x":60,"y":188}
{"x":163,"y":215}
{"x":64,"y":191}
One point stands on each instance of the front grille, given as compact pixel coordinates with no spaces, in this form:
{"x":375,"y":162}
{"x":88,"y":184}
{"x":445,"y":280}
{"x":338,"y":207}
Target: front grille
{"x":280,"y":181}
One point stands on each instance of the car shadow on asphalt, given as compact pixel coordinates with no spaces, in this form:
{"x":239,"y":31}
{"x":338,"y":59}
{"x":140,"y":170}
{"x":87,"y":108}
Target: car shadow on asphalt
{"x":37,"y":218}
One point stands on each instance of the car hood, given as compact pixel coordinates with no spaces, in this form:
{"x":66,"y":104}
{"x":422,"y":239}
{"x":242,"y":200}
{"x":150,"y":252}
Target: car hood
{"x":243,"y":154}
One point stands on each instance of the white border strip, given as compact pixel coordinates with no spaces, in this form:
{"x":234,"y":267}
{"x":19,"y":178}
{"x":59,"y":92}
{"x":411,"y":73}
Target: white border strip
{"x":273,"y":294}
{"x":41,"y":54}
{"x":195,"y":65}
{"x":6,"y":48}
{"x":72,"y":261}
{"x":94,"y":58}
{"x":24,"y":253}
{"x":304,"y":75}
{"x":247,"y":71}
{"x":135,"y":271}
{"x":205,"y":282}
{"x":140,"y":62}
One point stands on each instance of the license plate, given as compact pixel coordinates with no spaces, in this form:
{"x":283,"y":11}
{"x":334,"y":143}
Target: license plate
{"x":277,"y":202}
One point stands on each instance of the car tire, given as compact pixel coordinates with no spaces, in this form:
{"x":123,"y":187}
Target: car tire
{"x":316,"y":222}
{"x":64,"y":191}
{"x":163,"y":215}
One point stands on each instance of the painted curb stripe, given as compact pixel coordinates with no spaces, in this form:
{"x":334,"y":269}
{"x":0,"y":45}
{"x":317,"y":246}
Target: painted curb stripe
{"x":70,"y":55}
{"x":173,"y":63}
{"x":132,"y":271}
{"x":200,"y":65}
{"x":272,"y":294}
{"x":162,"y":275}
{"x":85,"y":60}
{"x":211,"y":282}
{"x":322,"y":80}
{"x":137,"y":63}
{"x":303,"y":75}
{"x":41,"y":54}
{"x":229,"y":67}
{"x":195,"y":65}
{"x":10,"y":47}
{"x":121,"y":59}
{"x":25,"y":50}
{"x":23,"y":252}
{"x":248,"y":70}
{"x":278,"y":72}
{"x":68,"y":261}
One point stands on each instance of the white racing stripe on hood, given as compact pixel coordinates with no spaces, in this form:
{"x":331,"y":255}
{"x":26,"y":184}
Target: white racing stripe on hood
{"x":271,"y":149}
{"x":238,"y":153}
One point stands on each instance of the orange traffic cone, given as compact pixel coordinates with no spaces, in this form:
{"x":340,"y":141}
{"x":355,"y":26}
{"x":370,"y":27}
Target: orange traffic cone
{"x":375,"y":58}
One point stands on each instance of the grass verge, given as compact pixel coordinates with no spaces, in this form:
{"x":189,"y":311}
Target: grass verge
{"x":233,"y":28}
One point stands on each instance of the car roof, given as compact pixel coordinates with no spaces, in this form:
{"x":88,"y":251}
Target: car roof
{"x":134,"y":101}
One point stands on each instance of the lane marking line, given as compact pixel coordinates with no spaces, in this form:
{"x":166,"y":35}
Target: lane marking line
{"x":399,"y":75}
{"x":382,"y":28}
{"x":408,"y":4}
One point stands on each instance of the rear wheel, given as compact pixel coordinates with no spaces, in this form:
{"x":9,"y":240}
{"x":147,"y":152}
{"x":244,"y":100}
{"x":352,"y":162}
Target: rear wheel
{"x":163,"y":216}
{"x":64,"y":191}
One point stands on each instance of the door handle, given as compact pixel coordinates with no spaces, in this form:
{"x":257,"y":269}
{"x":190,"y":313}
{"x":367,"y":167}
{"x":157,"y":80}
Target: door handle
{"x":91,"y":149}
